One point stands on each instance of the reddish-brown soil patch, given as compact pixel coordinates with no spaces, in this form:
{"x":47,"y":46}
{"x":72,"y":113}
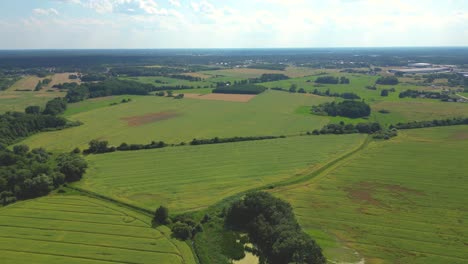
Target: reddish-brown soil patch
{"x":243,"y":98}
{"x":364,"y":192}
{"x":8,"y":96}
{"x":460,"y":135}
{"x":149,"y":118}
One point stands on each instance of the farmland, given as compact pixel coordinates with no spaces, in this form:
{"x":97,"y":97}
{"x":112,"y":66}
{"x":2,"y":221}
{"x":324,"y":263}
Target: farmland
{"x":194,"y":177}
{"x":383,"y":206}
{"x":141,"y":163}
{"x":78,"y":229}
{"x":271,"y":113}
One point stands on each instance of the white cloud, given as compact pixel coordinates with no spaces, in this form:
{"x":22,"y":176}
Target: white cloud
{"x":175,"y":3}
{"x":45,"y":12}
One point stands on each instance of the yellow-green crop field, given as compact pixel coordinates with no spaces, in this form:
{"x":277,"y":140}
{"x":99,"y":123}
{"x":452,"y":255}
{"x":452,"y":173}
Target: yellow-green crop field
{"x":398,"y":201}
{"x":190,"y":178}
{"x":79,"y":229}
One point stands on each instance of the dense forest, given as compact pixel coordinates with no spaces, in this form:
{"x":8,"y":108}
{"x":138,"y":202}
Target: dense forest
{"x":27,"y":174}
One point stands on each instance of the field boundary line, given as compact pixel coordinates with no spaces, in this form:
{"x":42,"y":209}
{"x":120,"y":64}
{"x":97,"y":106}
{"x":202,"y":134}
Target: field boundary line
{"x":308,"y":176}
{"x":66,"y":256}
{"x":69,"y":220}
{"x":74,"y":231}
{"x":92,"y":245}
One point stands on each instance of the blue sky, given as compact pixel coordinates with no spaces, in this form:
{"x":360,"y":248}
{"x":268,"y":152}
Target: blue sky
{"x":76,"y":24}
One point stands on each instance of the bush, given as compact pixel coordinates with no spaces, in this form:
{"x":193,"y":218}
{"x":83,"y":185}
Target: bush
{"x":181,"y":231}
{"x":161,"y":215}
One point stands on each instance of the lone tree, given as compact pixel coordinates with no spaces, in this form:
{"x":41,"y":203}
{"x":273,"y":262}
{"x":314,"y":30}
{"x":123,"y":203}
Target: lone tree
{"x":161,"y":215}
{"x":384,"y":92}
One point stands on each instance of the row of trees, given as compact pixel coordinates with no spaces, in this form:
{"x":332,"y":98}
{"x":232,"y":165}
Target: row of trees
{"x":217,"y":140}
{"x":145,"y":71}
{"x":41,"y":84}
{"x":343,"y":128}
{"x":423,"y":94}
{"x":186,"y":77}
{"x":27,"y":174}
{"x":332,"y":80}
{"x":434,"y":123}
{"x":387,"y":80}
{"x":241,"y":89}
{"x":102,"y":146}
{"x":272,"y":227}
{"x":347,"y":108}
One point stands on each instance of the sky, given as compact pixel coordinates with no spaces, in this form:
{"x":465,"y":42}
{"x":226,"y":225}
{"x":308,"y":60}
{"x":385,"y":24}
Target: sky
{"x":138,"y":24}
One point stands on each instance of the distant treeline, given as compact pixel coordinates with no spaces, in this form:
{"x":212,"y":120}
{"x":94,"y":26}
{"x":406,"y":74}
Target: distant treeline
{"x":16,"y":125}
{"x":241,"y":89}
{"x":388,"y":80}
{"x":27,"y":174}
{"x":107,"y":88}
{"x":217,"y":140}
{"x":186,"y":77}
{"x":434,"y":123}
{"x":273,"y":229}
{"x":347,"y":108}
{"x":268,"y":66}
{"x":102,"y":146}
{"x":377,"y":131}
{"x":424,"y":94}
{"x":145,"y":71}
{"x":93,"y":77}
{"x":6,"y":82}
{"x":345,"y":95}
{"x":332,"y":80}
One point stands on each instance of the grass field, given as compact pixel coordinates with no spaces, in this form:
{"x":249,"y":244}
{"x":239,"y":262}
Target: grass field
{"x":18,"y":101}
{"x":78,"y":229}
{"x":397,"y":201}
{"x":271,"y":113}
{"x":195,"y":177}
{"x":26,"y":83}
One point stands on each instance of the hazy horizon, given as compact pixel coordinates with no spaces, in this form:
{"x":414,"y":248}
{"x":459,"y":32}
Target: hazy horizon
{"x":205,"y":24}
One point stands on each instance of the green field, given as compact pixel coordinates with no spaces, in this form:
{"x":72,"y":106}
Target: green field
{"x":18,"y":101}
{"x":78,"y":229}
{"x":271,"y":113}
{"x":195,"y":177}
{"x":398,"y":201}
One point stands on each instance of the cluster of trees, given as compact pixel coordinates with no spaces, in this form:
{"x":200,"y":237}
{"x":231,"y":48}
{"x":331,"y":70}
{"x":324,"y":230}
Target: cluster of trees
{"x":453,"y":79}
{"x":346,"y":95}
{"x":102,"y":146}
{"x":385,"y":133}
{"x":145,"y":71}
{"x":343,"y":128}
{"x":183,"y":227}
{"x":107,"y":88}
{"x":269,"y":77}
{"x":93,"y":77}
{"x":387,"y":80}
{"x":175,"y":87}
{"x":42,"y":83}
{"x":65,"y":86}
{"x":16,"y":125}
{"x":241,"y":89}
{"x":186,"y":77}
{"x":347,"y":108}
{"x":272,"y":227}
{"x":217,"y":140}
{"x":433,"y":123}
{"x":424,"y":94}
{"x":55,"y":106}
{"x":27,"y":174}
{"x":332,"y":80}
{"x":6,"y":82}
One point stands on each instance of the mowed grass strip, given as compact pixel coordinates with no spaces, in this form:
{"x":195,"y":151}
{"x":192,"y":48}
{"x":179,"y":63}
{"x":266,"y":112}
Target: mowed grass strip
{"x":399,"y":201}
{"x":270,"y":113}
{"x":194,"y":177}
{"x":68,"y":230}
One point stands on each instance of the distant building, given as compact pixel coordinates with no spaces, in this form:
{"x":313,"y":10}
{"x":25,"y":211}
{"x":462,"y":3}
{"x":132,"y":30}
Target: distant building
{"x":420,"y":65}
{"x":420,"y":70}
